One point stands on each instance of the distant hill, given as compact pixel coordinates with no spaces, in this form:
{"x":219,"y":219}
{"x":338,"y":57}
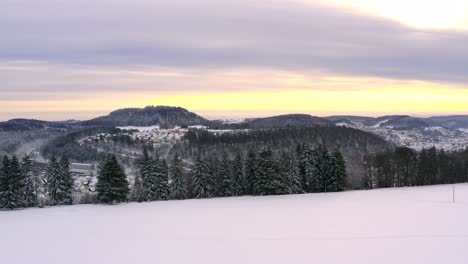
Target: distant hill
{"x":21,"y":124}
{"x":453,"y":122}
{"x":401,"y":122}
{"x":293,"y":120}
{"x":404,"y":122}
{"x":164,"y":116}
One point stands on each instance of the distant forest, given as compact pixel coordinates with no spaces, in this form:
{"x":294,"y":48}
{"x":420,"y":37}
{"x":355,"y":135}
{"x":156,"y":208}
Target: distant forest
{"x":406,"y":167}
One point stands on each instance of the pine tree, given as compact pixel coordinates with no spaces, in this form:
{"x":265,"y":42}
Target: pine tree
{"x":4,"y":181}
{"x":312,"y":170}
{"x":308,"y":168}
{"x":159,"y":179}
{"x":67,"y":183}
{"x":237,"y":176}
{"x":203,"y":180}
{"x":290,"y":172}
{"x":338,"y":172}
{"x":226,"y":184}
{"x":112,"y":185}
{"x":12,"y":195}
{"x":153,"y":178}
{"x":303,"y":166}
{"x":140,"y":187}
{"x":177,"y":189}
{"x":268,"y":176}
{"x":59,"y":182}
{"x":31,"y":182}
{"x":250,"y":170}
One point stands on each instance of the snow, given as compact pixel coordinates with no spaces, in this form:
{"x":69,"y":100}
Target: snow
{"x":379,"y":124}
{"x":140,"y":129}
{"x":407,"y":225}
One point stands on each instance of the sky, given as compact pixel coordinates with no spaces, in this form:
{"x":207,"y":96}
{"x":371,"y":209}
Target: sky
{"x":78,"y":59}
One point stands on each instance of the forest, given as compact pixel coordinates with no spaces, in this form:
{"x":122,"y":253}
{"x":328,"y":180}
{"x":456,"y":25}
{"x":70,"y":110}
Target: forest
{"x":406,"y":167}
{"x":265,"y":172}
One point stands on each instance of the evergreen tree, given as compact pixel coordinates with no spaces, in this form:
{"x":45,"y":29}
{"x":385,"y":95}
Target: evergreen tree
{"x":338,"y":175}
{"x":226,"y":184}
{"x":59,"y":182}
{"x":203,"y":180}
{"x":324,"y":178}
{"x":177,"y":189}
{"x":112,"y":185}
{"x":237,"y":176}
{"x":159,"y":178}
{"x":4,"y":181}
{"x":290,"y":173}
{"x":12,"y":195}
{"x":140,"y":188}
{"x":152,"y":179}
{"x":313,"y":170}
{"x":30,"y":184}
{"x":303,"y":166}
{"x":67,"y":182}
{"x":250,"y":170}
{"x":269,"y":180}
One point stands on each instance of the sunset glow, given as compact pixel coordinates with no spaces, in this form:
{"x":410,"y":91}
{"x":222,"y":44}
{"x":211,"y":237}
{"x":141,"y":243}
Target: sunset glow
{"x":367,"y":57}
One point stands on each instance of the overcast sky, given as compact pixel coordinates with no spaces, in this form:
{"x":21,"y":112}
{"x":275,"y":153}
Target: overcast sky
{"x":75,"y":59}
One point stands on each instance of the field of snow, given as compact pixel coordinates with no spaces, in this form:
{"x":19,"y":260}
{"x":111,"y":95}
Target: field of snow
{"x":407,"y":225}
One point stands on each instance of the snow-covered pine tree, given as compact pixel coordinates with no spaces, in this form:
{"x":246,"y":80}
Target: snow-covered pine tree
{"x":312,"y":170}
{"x":30,"y":182}
{"x":54,"y":183}
{"x":12,"y":195}
{"x":307,"y":167}
{"x":66,"y":182}
{"x":237,"y":176}
{"x":321,"y":179}
{"x":4,"y":180}
{"x":112,"y":185}
{"x":159,"y":179}
{"x":224,"y":175}
{"x":266,"y":174}
{"x":177,"y":189}
{"x":250,"y":170}
{"x":339,"y":171}
{"x":140,"y":191}
{"x":203,"y":180}
{"x":290,"y":173}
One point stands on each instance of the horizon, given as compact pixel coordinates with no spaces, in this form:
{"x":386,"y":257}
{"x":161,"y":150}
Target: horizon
{"x":355,"y":57}
{"x":208,"y":114}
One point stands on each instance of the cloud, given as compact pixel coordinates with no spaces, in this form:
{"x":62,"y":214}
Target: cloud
{"x":210,"y":34}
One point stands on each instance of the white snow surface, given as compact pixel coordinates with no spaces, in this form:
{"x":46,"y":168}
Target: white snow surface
{"x":140,"y":129}
{"x":407,"y":225}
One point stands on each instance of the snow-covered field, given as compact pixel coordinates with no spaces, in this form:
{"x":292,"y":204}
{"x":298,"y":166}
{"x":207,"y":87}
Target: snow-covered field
{"x":408,"y":225}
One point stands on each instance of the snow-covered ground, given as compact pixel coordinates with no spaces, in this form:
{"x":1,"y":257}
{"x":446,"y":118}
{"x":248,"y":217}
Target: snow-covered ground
{"x":408,"y":225}
{"x":140,"y":129}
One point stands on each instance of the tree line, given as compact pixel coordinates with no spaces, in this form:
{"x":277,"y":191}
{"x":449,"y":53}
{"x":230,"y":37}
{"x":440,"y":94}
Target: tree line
{"x":406,"y":167}
{"x":262,"y":172}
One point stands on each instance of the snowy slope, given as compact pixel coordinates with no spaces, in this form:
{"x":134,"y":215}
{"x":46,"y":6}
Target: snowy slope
{"x":408,"y":225}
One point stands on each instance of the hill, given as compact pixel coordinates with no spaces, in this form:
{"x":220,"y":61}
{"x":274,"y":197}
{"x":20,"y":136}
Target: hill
{"x":405,"y":122}
{"x":293,"y":120}
{"x":406,"y":225}
{"x":21,"y":124}
{"x":163,"y":116}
